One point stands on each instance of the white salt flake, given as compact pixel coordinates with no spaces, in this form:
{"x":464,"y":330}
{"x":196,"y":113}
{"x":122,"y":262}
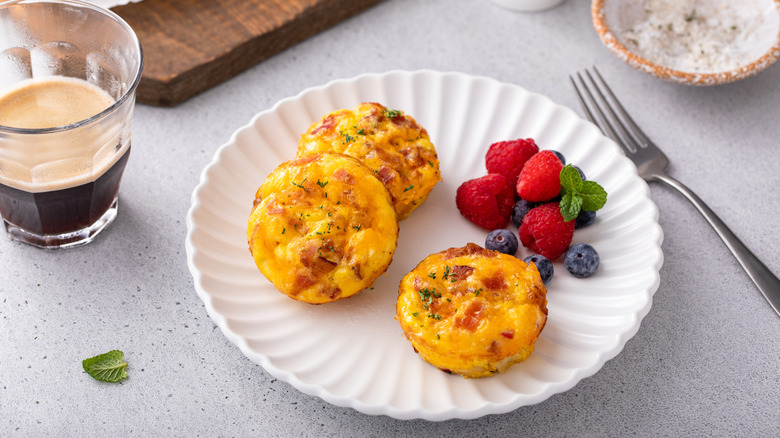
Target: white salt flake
{"x":700,"y":36}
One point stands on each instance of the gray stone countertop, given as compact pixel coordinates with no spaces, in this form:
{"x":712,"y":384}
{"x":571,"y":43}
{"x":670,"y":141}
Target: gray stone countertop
{"x":704,"y":362}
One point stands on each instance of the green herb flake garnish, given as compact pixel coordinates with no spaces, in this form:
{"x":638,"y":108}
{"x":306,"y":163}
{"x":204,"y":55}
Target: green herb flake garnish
{"x":411,"y":186}
{"x":357,"y":227}
{"x":107,"y":367}
{"x":449,"y":275}
{"x":391,"y":113}
{"x":427,"y":296}
{"x":301,"y":185}
{"x":432,"y":275}
{"x":577,"y":194}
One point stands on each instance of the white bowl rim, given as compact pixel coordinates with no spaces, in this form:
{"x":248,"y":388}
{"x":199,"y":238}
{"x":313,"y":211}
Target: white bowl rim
{"x":609,"y":39}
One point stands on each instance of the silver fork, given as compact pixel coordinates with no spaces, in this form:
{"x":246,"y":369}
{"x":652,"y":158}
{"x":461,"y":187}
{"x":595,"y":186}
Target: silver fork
{"x":651,"y":162}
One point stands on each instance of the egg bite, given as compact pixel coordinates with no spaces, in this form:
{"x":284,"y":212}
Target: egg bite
{"x":472,"y":311}
{"x":389,"y":142}
{"x":322,"y":228}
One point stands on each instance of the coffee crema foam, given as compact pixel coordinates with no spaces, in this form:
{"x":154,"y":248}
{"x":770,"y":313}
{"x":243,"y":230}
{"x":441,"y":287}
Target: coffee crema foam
{"x":51,"y":102}
{"x":39,"y":162}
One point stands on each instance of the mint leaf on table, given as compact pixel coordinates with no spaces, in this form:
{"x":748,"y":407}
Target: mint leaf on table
{"x":107,"y":367}
{"x":577,"y":194}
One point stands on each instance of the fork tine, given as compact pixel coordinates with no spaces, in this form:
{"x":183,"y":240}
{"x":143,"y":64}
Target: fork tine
{"x":636,"y":132}
{"x":601,"y":119}
{"x":584,"y":106}
{"x":629,"y":139}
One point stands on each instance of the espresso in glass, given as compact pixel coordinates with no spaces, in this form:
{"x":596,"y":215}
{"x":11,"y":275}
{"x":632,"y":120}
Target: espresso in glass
{"x":68,"y":74}
{"x":71,"y":194}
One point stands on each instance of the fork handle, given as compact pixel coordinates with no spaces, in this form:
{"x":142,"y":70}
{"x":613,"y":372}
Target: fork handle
{"x":765,"y":280}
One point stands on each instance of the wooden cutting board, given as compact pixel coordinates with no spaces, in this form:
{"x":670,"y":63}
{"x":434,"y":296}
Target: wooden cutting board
{"x":191,"y":45}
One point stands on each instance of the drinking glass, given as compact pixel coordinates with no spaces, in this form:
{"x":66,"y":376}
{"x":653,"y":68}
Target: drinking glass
{"x":59,"y":184}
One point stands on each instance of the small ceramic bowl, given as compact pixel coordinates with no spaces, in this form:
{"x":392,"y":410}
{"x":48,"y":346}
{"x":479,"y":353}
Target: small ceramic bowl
{"x":528,"y":5}
{"x":729,"y":42}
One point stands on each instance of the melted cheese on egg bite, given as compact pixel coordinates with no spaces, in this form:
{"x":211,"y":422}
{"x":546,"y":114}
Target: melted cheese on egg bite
{"x":389,"y":142}
{"x":472,"y":311}
{"x":322,"y":228}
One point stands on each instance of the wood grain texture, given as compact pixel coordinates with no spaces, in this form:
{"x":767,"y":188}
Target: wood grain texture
{"x":192,"y":45}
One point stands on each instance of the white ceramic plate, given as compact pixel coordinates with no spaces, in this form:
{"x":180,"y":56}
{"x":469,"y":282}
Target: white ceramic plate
{"x":352,"y":352}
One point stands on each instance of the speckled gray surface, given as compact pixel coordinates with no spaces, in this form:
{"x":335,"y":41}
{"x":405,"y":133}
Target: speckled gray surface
{"x":705,"y":361}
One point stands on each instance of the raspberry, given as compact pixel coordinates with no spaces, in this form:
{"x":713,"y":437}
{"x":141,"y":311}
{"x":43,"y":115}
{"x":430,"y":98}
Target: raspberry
{"x":544,"y":231}
{"x":486,"y":201}
{"x":540,"y":178}
{"x":508,"y":157}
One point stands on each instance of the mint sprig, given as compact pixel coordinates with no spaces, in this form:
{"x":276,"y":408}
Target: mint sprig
{"x":107,"y":367}
{"x":577,"y":194}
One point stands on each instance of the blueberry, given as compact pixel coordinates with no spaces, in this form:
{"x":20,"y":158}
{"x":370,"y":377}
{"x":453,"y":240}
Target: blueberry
{"x":581,"y":260}
{"x":560,"y":157}
{"x":543,"y":265}
{"x":584,"y":219}
{"x":502,"y":241}
{"x":520,"y":209}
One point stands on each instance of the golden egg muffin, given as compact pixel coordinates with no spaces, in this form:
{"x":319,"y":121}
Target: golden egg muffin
{"x":322,"y":228}
{"x":390,"y":142}
{"x":472,"y":311}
